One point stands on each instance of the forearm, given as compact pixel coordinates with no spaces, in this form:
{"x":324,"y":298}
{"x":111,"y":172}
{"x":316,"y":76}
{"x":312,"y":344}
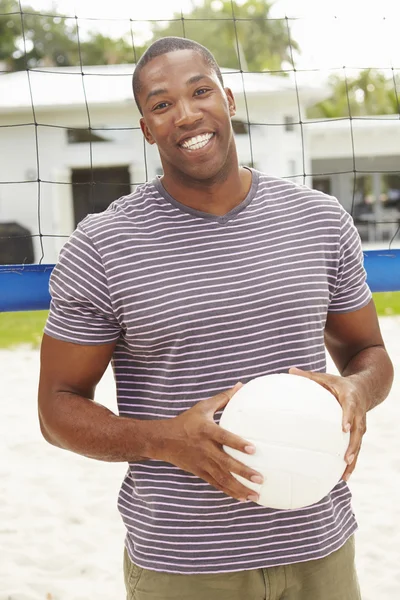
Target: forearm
{"x":88,"y":428}
{"x":371,"y":370}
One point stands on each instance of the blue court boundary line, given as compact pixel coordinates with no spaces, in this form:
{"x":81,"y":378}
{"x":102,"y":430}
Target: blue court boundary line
{"x":26,"y":287}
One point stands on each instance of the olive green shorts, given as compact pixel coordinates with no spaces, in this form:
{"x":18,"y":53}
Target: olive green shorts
{"x":331,"y":578}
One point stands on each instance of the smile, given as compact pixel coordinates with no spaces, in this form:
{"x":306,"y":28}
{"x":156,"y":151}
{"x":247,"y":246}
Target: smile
{"x":197,"y":142}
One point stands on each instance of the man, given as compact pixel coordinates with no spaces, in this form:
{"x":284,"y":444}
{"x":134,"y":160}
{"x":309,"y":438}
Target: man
{"x":192,"y":285}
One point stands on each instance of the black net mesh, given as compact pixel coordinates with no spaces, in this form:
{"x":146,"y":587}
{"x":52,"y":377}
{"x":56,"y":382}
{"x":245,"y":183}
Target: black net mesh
{"x":69,"y":130}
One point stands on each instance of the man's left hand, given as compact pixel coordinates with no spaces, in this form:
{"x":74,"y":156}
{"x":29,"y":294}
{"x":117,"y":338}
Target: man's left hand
{"x":354,"y":404}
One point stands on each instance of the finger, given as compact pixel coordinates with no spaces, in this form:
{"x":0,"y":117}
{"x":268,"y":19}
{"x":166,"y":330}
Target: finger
{"x":232,"y":465}
{"x":350,"y":468}
{"x":233,"y":493}
{"x":353,"y":447}
{"x":349,"y":415}
{"x":226,"y":438}
{"x":221,"y":400}
{"x":235,"y":466}
{"x":307,"y":374}
{"x":354,"y":416}
{"x":357,"y":431}
{"x":229,"y":485}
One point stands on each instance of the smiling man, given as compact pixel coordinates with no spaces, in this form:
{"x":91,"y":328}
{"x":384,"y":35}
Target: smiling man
{"x":187,"y":113}
{"x":207,"y":277}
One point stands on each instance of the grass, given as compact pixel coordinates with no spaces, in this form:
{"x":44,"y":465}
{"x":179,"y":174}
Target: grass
{"x":387,"y":303}
{"x":22,"y":328}
{"x":26,"y":328}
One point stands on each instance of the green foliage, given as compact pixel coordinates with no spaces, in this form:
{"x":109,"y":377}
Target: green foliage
{"x":102,"y":50}
{"x":34,"y":40}
{"x":8,"y":29}
{"x":262,"y":43}
{"x":237,"y":34}
{"x":370,"y":93}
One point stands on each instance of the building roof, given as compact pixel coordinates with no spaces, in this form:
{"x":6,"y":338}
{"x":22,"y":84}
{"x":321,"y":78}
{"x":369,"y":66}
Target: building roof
{"x":66,"y":87}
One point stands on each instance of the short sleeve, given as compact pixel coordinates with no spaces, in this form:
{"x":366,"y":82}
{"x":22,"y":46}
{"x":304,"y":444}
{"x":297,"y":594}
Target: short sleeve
{"x":351,"y":291}
{"x":80,"y":308}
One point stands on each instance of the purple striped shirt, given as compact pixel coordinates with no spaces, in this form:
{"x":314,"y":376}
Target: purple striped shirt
{"x":198,"y":302}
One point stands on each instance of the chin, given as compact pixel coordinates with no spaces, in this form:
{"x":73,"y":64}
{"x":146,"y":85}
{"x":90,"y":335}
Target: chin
{"x":208,"y":172}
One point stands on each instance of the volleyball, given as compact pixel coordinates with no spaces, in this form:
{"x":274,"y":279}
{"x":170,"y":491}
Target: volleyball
{"x":295,"y":425}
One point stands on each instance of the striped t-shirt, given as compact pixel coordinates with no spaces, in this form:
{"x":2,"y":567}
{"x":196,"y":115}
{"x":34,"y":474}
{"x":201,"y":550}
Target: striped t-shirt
{"x":198,"y":302}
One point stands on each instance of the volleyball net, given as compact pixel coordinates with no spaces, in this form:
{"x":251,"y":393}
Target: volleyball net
{"x":71,"y":141}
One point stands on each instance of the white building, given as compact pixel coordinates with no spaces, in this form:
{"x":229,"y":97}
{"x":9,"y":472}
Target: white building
{"x":71,"y":143}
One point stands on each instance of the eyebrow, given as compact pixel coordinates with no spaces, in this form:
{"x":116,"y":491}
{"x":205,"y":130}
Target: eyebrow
{"x":160,"y":91}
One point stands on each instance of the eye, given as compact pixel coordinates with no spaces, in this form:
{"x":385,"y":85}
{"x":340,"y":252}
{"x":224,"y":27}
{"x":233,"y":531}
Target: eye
{"x":160,"y":106}
{"x":201,"y":91}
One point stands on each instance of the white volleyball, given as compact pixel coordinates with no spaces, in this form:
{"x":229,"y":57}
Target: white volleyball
{"x":296,"y":426}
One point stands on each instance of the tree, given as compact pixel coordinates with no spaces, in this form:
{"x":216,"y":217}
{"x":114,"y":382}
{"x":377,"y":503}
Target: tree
{"x":7,"y":32}
{"x":369,"y":93}
{"x":33,"y":40}
{"x":231,"y":31}
{"x":99,"y":49}
{"x":228,"y":29}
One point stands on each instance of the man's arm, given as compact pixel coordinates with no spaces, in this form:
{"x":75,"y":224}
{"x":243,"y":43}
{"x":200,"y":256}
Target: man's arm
{"x":70,"y":419}
{"x":355,"y":344}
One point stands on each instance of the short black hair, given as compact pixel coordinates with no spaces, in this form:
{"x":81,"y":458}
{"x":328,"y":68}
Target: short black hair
{"x":171,"y":44}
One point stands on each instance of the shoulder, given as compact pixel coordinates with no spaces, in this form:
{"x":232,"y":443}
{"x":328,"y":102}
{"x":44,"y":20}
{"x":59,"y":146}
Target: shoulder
{"x":125,"y":211}
{"x":291,"y":194}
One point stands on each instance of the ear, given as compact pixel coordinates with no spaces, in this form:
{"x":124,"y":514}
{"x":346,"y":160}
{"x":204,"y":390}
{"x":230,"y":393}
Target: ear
{"x":146,"y":132}
{"x":231,"y":101}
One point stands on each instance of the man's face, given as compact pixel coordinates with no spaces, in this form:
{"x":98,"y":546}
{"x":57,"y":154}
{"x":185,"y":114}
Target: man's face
{"x":187,"y":113}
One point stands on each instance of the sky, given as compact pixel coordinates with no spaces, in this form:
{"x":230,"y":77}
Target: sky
{"x":351,"y":33}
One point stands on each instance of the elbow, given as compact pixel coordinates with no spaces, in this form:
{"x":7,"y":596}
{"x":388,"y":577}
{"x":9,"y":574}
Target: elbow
{"x":46,"y":434}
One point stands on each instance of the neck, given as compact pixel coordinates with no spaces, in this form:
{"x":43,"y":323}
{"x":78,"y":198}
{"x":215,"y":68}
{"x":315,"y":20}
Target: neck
{"x":216,"y":196}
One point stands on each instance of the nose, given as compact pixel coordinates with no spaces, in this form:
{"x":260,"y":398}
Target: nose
{"x":187,"y":113}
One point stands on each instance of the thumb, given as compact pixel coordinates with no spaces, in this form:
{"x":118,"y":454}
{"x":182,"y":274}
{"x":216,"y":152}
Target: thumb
{"x":221,"y":400}
{"x":300,"y":372}
{"x":323,"y":379}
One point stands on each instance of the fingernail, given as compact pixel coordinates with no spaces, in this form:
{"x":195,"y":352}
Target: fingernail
{"x":242,"y":499}
{"x":347,"y":427}
{"x":257,"y":479}
{"x":253,"y":497}
{"x":250,"y":449}
{"x":350,"y":459}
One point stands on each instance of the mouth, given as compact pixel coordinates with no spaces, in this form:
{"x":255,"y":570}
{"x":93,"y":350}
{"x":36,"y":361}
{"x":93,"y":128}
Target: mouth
{"x":197,"y":142}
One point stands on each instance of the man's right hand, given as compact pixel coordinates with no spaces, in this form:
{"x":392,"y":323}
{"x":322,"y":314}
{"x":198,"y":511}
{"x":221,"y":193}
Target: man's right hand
{"x":193,"y":442}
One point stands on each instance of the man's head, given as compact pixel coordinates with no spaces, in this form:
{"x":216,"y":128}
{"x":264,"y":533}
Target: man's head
{"x":185,"y":110}
{"x":163,"y":46}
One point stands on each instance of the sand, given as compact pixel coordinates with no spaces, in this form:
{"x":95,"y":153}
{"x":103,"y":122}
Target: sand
{"x":61,"y":537}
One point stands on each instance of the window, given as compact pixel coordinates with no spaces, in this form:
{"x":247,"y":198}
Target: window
{"x":322,"y":184}
{"x":240,"y":127}
{"x":83,"y":136}
{"x":93,"y":190}
{"x":391,"y":190}
{"x":16,"y":245}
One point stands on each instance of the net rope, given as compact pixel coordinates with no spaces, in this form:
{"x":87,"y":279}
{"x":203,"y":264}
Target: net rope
{"x":301,"y":121}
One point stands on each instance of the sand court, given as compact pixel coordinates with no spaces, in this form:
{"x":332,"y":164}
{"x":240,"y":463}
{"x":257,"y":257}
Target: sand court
{"x":61,"y":537}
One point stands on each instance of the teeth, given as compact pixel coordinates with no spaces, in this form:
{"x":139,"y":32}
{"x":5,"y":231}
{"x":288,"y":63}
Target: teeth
{"x":195,"y":143}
